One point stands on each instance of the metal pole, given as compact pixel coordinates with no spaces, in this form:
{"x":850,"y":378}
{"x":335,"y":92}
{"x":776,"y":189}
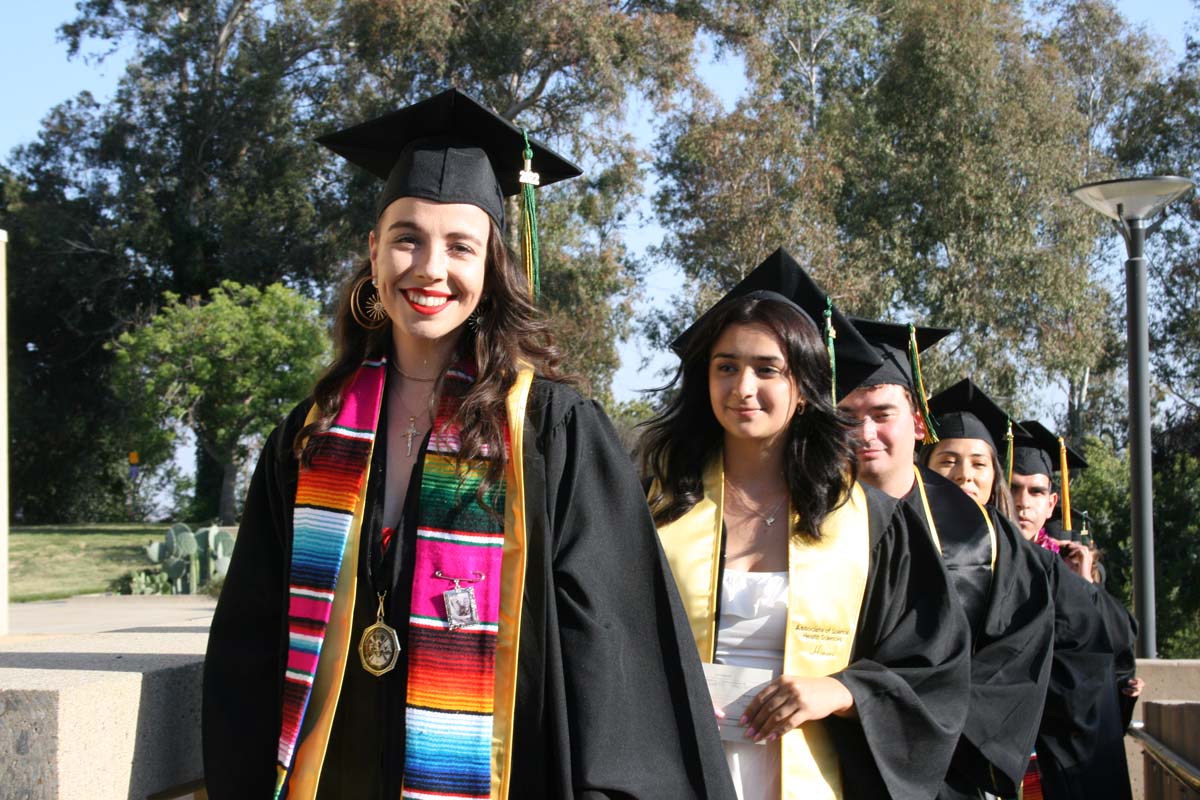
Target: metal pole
{"x":3,"y":433}
{"x":1140,"y":483}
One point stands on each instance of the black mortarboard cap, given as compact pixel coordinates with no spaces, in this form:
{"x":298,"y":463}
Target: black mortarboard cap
{"x":1057,"y":529}
{"x":1038,"y":451}
{"x":964,"y":411}
{"x":892,"y":342}
{"x":449,"y":149}
{"x":900,"y":348}
{"x":782,"y":277}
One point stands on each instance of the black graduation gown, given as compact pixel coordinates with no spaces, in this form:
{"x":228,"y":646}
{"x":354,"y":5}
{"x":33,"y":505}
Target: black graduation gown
{"x":611,"y":700}
{"x":1122,"y":632}
{"x":1012,"y":623}
{"x":910,"y":665}
{"x":1080,"y":744}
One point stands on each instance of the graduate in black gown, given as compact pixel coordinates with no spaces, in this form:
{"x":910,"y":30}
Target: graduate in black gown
{"x":1079,"y":698}
{"x":446,"y":580}
{"x":869,"y":647}
{"x":1077,"y":745}
{"x":998,"y":580}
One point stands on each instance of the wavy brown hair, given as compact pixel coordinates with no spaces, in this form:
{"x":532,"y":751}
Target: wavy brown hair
{"x":679,"y":443}
{"x":511,"y":332}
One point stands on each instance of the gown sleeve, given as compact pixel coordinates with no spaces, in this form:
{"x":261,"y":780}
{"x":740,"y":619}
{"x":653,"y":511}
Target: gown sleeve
{"x":910,"y":674}
{"x":243,"y":667}
{"x":1122,"y":633}
{"x":638,"y":718}
{"x":1010,"y":669}
{"x":1080,"y":743}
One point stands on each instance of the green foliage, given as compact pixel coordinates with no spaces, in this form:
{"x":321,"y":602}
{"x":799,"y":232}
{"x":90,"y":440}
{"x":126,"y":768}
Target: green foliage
{"x":1176,"y":532}
{"x":1102,"y":490}
{"x":48,"y":562}
{"x":566,"y":71}
{"x":627,"y":417}
{"x":228,"y":369}
{"x":916,"y":156}
{"x":146,"y":581}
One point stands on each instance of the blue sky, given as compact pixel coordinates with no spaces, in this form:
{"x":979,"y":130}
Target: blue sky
{"x":37,"y":75}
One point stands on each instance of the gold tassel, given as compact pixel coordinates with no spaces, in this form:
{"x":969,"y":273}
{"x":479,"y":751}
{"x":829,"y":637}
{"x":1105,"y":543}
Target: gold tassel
{"x":1066,"y":484}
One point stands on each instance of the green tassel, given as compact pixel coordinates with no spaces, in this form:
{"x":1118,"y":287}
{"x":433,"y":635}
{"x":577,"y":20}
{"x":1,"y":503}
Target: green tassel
{"x":914,"y":362}
{"x":830,"y":336}
{"x":1008,"y":437}
{"x":529,"y":229}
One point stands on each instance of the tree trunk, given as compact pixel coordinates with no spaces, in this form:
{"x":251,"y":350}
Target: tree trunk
{"x":206,"y":503}
{"x":228,"y":499}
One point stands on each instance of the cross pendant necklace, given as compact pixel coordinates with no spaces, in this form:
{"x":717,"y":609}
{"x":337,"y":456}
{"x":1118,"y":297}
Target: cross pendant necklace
{"x":410,"y":433}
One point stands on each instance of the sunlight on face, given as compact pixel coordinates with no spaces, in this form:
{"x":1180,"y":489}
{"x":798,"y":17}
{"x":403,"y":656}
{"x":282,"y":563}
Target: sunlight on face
{"x":967,"y":462}
{"x":429,"y":262}
{"x":1034,"y":500}
{"x":752,"y":392}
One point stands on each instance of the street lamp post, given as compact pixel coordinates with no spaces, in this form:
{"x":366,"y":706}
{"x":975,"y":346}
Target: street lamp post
{"x":1131,"y":203}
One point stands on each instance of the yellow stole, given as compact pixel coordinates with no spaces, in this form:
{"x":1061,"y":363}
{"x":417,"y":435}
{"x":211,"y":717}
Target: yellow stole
{"x":318,"y":722}
{"x":932,"y":525}
{"x":827,"y":580}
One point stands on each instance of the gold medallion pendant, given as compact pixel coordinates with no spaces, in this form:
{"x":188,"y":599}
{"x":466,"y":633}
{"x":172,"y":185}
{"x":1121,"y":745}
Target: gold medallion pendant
{"x":379,"y":646}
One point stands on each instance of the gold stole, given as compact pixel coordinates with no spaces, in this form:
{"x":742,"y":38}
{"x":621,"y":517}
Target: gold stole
{"x":827,"y":580}
{"x":314,"y":737}
{"x":932,"y":525}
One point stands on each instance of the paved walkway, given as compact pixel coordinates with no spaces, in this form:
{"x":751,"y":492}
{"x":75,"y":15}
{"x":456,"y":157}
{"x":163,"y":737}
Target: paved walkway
{"x":100,"y":613}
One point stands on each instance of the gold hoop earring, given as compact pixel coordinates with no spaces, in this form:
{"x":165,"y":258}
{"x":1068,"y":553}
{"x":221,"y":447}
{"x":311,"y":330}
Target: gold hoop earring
{"x":370,"y":313}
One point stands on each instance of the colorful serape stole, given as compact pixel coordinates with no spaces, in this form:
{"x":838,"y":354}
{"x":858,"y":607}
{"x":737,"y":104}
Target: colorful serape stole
{"x":326,"y":496}
{"x":451,"y":688}
{"x":1031,"y":784}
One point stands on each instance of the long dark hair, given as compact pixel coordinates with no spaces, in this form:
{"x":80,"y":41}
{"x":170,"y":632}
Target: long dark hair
{"x":679,"y":443}
{"x":511,"y":332}
{"x":1001,"y":497}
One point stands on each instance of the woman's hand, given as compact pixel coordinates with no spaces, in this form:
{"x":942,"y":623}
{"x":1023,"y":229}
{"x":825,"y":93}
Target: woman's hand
{"x":1078,"y":558}
{"x":1133,"y":687}
{"x":789,"y":701}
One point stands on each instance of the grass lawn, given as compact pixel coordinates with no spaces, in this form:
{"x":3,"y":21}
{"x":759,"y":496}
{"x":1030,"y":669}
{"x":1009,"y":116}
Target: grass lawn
{"x":46,"y":562}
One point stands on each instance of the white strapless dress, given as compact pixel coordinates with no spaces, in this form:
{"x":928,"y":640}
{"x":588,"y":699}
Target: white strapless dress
{"x":751,"y":634}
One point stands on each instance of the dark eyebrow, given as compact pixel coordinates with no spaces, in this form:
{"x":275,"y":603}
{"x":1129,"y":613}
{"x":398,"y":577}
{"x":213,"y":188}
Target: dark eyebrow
{"x":735,"y":356}
{"x":409,"y":225}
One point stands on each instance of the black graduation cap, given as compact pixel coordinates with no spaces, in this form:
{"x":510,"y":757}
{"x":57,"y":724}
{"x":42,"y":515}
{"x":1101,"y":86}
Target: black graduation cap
{"x":900,"y":348}
{"x":1038,"y":451}
{"x":782,"y":278}
{"x":1057,"y":529}
{"x":964,"y":411}
{"x":450,"y":149}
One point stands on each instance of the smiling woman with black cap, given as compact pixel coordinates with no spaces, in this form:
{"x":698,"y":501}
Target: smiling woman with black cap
{"x":787,"y":564}
{"x":446,"y":581}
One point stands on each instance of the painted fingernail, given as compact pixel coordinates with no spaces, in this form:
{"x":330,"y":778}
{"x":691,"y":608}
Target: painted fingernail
{"x":743,"y":720}
{"x":751,"y":733}
{"x":772,"y":737}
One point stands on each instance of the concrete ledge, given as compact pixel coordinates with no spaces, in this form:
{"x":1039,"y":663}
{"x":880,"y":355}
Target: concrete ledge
{"x":102,"y":715}
{"x":1166,"y":679}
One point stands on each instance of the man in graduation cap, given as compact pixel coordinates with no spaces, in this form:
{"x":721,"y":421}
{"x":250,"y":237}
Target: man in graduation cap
{"x":446,"y":582}
{"x":1002,"y":590}
{"x":1037,"y":455}
{"x":865,"y":632}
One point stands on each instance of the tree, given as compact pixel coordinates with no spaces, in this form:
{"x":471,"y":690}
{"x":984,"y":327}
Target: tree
{"x":69,"y":291}
{"x":923,"y":176}
{"x":203,"y":168}
{"x":566,"y":71}
{"x":228,"y":369}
